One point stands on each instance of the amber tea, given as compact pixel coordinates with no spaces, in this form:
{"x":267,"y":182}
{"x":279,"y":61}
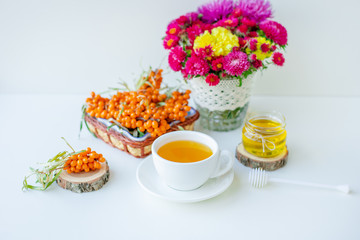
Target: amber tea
{"x":184,"y":151}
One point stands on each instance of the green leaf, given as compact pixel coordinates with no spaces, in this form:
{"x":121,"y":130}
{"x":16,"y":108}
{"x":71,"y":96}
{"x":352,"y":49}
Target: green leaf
{"x":114,"y":124}
{"x":141,"y":134}
{"x":181,"y":128}
{"x":66,"y":144}
{"x":159,"y":104}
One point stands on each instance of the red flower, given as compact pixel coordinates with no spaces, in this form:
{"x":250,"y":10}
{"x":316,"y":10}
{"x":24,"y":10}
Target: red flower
{"x":212,"y":79}
{"x":253,"y":34}
{"x":170,"y":41}
{"x":237,"y":12}
{"x":243,"y":28}
{"x":173,"y":29}
{"x":182,"y":20}
{"x":253,"y":43}
{"x":248,"y":22}
{"x":264,"y":47}
{"x":193,"y":32}
{"x":205,"y":52}
{"x":278,"y":59}
{"x":242,"y":42}
{"x":257,"y":64}
{"x":217,"y":64}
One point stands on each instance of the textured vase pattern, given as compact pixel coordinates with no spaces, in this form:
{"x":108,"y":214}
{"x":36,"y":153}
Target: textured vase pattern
{"x":222,"y":107}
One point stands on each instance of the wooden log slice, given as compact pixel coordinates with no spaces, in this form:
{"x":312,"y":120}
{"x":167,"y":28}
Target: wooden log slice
{"x":268,"y":164}
{"x":84,"y":181}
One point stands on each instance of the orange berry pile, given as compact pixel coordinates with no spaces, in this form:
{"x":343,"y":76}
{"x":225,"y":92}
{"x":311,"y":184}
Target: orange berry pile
{"x":84,"y":161}
{"x":146,"y":109}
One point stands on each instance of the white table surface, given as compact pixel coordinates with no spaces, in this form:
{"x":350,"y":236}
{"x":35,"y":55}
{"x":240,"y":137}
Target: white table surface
{"x":324,"y":145}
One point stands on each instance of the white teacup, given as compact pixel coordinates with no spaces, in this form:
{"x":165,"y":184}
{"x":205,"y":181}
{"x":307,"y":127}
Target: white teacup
{"x":189,"y":176}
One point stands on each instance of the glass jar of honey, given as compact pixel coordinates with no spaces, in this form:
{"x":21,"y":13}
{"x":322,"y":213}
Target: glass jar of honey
{"x":264,"y":134}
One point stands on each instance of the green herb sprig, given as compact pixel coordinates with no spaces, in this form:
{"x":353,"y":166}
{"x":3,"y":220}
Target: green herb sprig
{"x":50,"y":172}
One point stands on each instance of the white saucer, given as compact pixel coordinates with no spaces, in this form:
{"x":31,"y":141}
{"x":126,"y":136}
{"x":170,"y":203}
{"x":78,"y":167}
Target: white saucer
{"x":149,"y":180}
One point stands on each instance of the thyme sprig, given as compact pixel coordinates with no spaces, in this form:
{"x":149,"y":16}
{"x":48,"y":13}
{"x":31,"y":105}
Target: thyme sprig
{"x":50,"y":171}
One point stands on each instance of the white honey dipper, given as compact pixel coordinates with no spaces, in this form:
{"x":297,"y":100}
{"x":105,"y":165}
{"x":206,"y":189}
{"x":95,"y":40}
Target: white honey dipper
{"x":259,"y":178}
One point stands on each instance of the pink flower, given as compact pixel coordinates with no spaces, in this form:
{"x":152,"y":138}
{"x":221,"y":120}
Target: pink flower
{"x":173,"y":29}
{"x":217,"y":64}
{"x":278,"y":59}
{"x":275,"y":31}
{"x":176,"y":57}
{"x":253,"y":57}
{"x":252,"y":44}
{"x":265,"y":47}
{"x":193,"y":16}
{"x":204,"y":52}
{"x":170,"y":41}
{"x":216,"y":10}
{"x":212,"y":79}
{"x":273,"y":48}
{"x":257,"y":10}
{"x":196,"y":66}
{"x":235,"y":63}
{"x":257,"y":64}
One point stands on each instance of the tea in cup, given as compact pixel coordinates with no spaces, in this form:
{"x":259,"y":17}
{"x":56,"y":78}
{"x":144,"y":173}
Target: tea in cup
{"x":185,"y":160}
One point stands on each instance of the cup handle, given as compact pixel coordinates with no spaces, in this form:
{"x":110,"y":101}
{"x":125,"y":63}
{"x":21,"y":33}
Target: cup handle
{"x":224,"y":155}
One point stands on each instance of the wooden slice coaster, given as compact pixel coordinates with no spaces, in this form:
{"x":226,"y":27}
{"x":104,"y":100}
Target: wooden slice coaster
{"x":268,"y":164}
{"x":84,"y":181}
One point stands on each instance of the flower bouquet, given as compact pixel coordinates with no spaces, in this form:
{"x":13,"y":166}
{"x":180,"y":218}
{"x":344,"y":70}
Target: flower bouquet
{"x":218,"y":49}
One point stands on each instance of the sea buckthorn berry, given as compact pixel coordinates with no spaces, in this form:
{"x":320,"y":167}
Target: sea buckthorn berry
{"x":139,"y":123}
{"x":155,"y":124}
{"x":91,"y":165}
{"x":137,"y":108}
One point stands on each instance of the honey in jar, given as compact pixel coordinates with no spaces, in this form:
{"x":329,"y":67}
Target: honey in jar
{"x":264,"y":134}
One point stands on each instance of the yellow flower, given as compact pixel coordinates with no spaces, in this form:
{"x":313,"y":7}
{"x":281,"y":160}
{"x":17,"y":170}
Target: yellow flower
{"x":204,"y":40}
{"x":260,"y":55}
{"x":221,"y":40}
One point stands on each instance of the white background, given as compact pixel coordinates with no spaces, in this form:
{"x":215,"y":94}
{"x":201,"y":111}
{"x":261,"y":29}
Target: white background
{"x":67,"y":47}
{"x":56,"y":52}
